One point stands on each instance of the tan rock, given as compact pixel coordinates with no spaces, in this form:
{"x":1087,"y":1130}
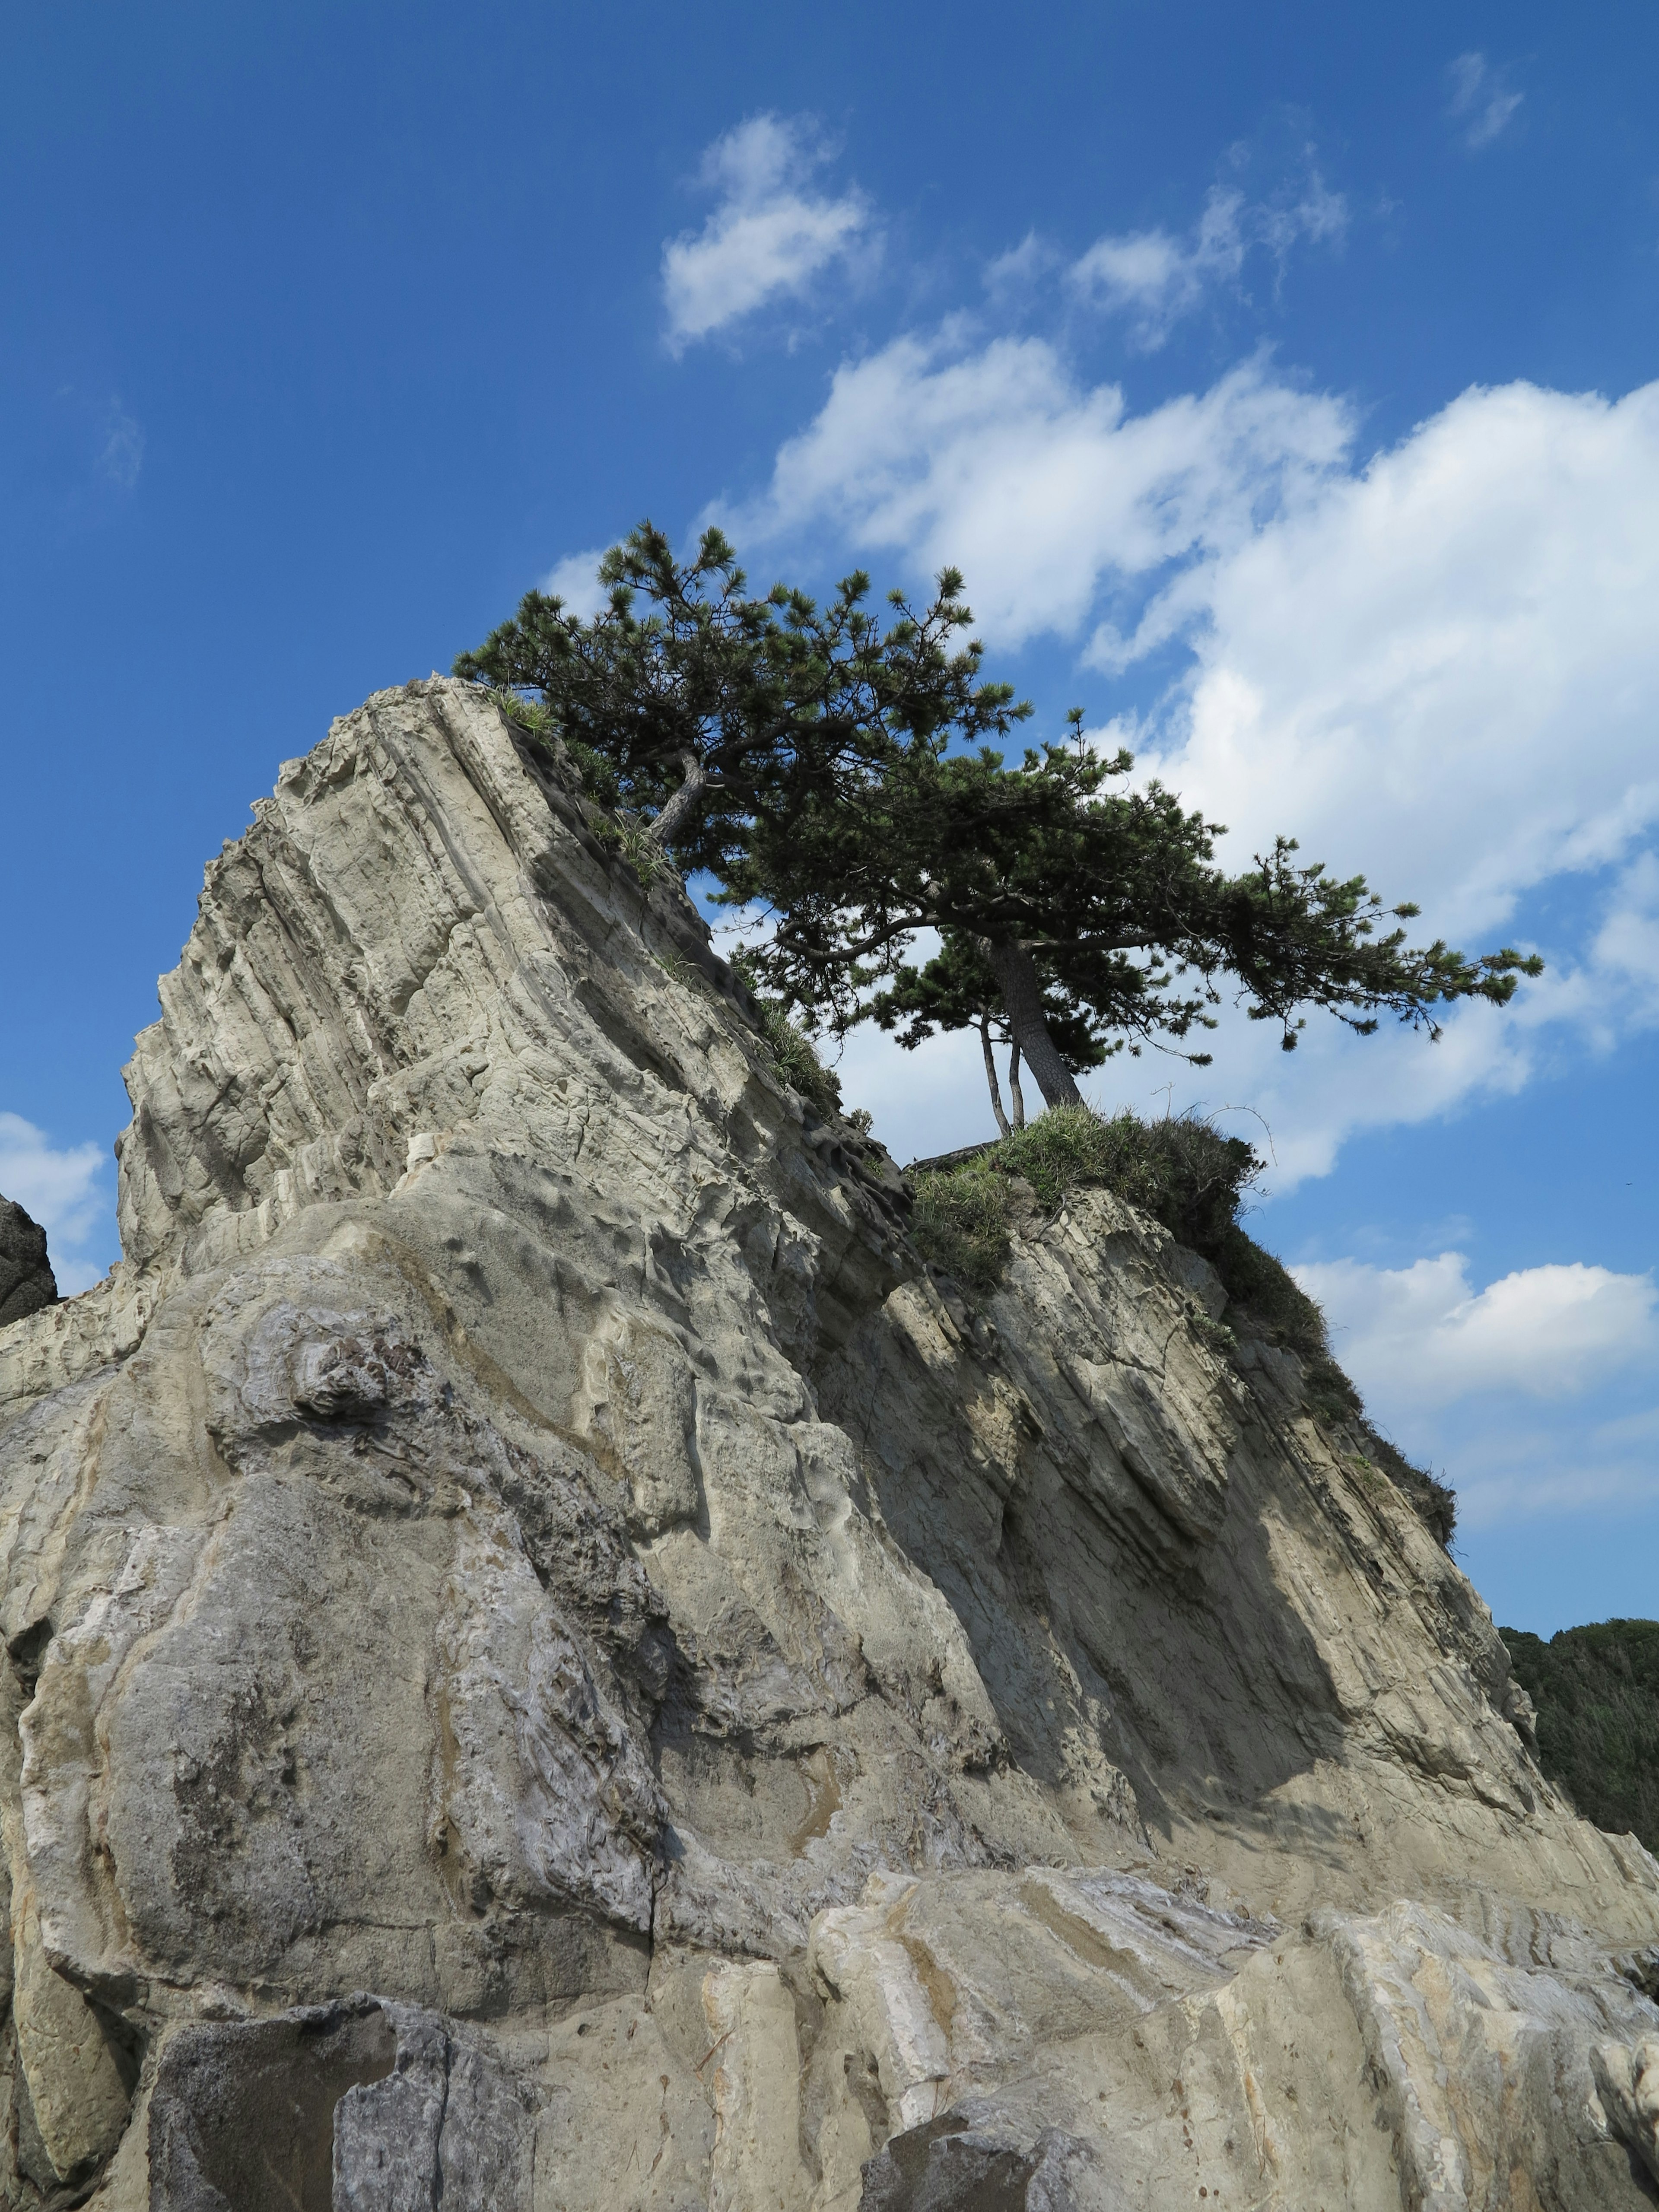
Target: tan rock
{"x":543,"y":1644}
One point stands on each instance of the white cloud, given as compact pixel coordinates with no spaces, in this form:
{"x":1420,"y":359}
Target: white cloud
{"x":1503,"y":1386}
{"x":1422,"y":1336}
{"x":122,"y":456}
{"x":1157,"y":279}
{"x":1440,"y":670}
{"x":998,"y":461}
{"x":1623,"y":960}
{"x":59,"y":1189}
{"x":1480,"y":100}
{"x":576,"y":580}
{"x":1439,"y":667}
{"x":1443,"y":669}
{"x":769,"y":235}
{"x":1014,"y":275}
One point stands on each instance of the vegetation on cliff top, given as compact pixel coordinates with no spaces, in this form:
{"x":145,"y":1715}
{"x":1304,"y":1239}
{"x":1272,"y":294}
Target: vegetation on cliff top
{"x":1596,"y":1690}
{"x":1194,"y":1180}
{"x":831,"y":773}
{"x":1181,"y":1170}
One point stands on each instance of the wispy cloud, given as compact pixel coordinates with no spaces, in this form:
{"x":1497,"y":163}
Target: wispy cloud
{"x":769,"y":235}
{"x":122,"y":455}
{"x":60,"y":1188}
{"x":1157,"y":279}
{"x":1482,"y":102}
{"x":1014,"y":275}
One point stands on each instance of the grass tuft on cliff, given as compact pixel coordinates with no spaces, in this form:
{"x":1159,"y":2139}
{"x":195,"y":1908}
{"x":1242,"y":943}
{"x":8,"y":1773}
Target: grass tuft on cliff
{"x":1596,"y":1690}
{"x":1194,"y":1180}
{"x":793,"y":1055}
{"x":1181,"y":1170}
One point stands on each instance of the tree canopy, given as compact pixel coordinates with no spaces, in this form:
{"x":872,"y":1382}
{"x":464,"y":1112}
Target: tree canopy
{"x":690,"y":713}
{"x":1055,"y":871}
{"x":832,"y":775}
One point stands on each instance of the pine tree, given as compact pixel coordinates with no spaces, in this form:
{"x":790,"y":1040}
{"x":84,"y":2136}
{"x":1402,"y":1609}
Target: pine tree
{"x":1113,"y":893}
{"x":689,"y":713}
{"x":832,"y":774}
{"x":957,"y":990}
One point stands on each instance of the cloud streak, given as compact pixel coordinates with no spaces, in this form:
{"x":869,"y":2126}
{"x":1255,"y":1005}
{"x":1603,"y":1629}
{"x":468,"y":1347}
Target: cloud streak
{"x":1481,"y":102}
{"x":1155,"y":278}
{"x":770,"y":236}
{"x":121,"y":458}
{"x":1422,"y":1336}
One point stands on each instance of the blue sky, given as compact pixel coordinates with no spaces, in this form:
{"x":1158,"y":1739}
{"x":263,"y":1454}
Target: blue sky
{"x":1282,"y":378}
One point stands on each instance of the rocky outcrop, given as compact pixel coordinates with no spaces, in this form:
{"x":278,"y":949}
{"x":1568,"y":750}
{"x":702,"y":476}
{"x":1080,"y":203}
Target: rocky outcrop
{"x":549,"y":1664}
{"x":27,"y":1282}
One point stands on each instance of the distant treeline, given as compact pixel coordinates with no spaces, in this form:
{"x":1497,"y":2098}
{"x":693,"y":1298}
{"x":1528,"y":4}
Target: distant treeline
{"x":1597,"y":1694}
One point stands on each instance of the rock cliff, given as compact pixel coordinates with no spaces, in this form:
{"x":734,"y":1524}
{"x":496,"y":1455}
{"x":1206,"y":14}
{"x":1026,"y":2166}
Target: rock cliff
{"x":27,"y":1282}
{"x":550,"y":1665}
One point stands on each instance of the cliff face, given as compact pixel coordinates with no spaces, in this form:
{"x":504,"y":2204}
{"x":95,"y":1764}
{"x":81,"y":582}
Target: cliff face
{"x":550,"y":1665}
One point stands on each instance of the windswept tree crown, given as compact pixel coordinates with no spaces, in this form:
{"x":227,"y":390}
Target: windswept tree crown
{"x":833,"y":774}
{"x":691,"y":712}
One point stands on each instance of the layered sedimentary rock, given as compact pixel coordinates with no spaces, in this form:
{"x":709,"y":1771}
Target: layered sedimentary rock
{"x":550,"y":1665}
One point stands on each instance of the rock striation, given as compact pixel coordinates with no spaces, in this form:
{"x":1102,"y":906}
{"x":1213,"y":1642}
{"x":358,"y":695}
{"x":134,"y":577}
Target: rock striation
{"x":27,"y":1282}
{"x":549,"y":1664}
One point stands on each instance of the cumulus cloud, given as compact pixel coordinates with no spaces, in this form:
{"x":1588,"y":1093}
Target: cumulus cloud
{"x":997,"y":458}
{"x":1155,"y":278}
{"x":1440,"y":669}
{"x":1519,"y":1389}
{"x":60,"y":1188}
{"x":1481,"y":102}
{"x":1444,"y":663}
{"x":769,"y":235}
{"x":1438,"y":664}
{"x":1422,"y":1336}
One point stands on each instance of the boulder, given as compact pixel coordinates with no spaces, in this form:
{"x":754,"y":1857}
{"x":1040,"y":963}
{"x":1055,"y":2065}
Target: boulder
{"x":27,"y":1282}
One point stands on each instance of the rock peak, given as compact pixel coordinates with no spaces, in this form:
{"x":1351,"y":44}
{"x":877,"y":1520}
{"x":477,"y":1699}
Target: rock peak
{"x":545,"y":1648}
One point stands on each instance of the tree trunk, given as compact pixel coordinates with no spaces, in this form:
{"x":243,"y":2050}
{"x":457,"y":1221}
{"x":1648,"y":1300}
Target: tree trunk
{"x":1022,"y":1001}
{"x":686,"y":803}
{"x":991,"y":1078}
{"x":1016,"y":1095}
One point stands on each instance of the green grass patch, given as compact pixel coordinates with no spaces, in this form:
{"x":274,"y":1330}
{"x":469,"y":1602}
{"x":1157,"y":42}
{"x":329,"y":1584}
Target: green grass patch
{"x":535,"y":717}
{"x":959,"y":1221}
{"x":1186,"y":1175}
{"x":791,"y":1052}
{"x":1181,"y":1170}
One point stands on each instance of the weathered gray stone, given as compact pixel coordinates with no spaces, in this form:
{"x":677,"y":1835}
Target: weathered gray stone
{"x":27,"y":1282}
{"x":519,"y":1535}
{"x":950,"y":2166}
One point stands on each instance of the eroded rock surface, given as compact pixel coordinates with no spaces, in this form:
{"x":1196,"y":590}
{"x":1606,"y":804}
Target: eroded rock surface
{"x":550,"y":1665}
{"x":27,"y":1282}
